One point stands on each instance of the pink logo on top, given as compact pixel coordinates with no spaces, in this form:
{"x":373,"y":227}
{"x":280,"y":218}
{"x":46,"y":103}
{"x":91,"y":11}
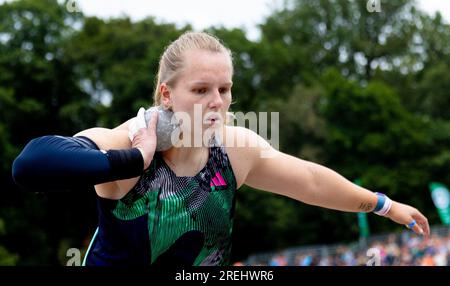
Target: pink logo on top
{"x":218,"y":181}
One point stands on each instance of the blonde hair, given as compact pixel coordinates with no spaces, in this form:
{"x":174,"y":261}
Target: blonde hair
{"x":171,"y":62}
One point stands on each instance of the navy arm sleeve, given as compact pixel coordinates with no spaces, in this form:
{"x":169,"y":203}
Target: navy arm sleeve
{"x":57,"y":163}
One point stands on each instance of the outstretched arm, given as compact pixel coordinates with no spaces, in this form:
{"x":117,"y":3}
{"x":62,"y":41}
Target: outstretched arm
{"x":317,"y":185}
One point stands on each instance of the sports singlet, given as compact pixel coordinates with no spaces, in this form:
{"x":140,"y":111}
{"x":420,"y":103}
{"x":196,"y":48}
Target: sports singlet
{"x":169,"y":220}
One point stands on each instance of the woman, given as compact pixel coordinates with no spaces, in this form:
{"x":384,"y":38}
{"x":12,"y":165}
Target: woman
{"x":176,"y":206}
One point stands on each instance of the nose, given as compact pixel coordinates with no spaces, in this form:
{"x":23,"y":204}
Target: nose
{"x":216,"y":101}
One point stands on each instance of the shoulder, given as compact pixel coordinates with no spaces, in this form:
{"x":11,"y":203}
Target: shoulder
{"x":247,"y":139}
{"x":244,"y":148}
{"x":244,"y":141}
{"x":107,"y":138}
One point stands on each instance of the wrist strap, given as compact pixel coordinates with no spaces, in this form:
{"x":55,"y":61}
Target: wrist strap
{"x":126,"y":163}
{"x":384,"y":204}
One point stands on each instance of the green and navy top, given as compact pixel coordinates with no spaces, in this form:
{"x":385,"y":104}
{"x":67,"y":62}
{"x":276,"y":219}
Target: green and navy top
{"x":169,"y":220}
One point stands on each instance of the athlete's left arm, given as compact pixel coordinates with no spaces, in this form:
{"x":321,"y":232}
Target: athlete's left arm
{"x":314,"y":184}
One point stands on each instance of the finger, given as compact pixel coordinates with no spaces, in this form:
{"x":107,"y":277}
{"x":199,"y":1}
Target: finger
{"x":137,"y":136}
{"x":153,"y":121}
{"x":422,"y":228}
{"x":423,"y":222}
{"x":417,"y":229}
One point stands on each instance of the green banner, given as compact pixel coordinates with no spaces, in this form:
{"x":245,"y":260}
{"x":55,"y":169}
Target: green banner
{"x":363,"y":225}
{"x":362,"y":219}
{"x":441,"y":199}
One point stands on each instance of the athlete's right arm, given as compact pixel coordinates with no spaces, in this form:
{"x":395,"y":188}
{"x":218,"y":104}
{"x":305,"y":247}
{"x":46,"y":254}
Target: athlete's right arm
{"x":52,"y":163}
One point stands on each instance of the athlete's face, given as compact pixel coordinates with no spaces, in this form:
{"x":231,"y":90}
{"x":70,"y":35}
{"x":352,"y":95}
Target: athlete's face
{"x":204,"y":86}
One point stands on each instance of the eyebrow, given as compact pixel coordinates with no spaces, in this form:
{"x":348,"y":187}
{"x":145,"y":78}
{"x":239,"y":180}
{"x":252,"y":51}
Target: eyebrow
{"x":206,"y":82}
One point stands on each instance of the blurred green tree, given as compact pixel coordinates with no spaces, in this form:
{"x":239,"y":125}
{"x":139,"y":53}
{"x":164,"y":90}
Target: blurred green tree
{"x":362,"y":93}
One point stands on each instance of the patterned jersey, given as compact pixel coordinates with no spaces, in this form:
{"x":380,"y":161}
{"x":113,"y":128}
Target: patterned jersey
{"x":169,"y":220}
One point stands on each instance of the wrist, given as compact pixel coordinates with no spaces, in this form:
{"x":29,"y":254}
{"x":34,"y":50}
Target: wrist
{"x":125,"y":163}
{"x":383,"y":206}
{"x":144,"y":157}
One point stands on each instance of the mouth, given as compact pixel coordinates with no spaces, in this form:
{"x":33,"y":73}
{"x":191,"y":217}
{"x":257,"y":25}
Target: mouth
{"x":211,"y":120}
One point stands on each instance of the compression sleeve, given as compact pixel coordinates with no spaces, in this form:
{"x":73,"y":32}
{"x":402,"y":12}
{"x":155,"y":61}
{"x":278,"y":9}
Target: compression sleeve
{"x":54,"y":163}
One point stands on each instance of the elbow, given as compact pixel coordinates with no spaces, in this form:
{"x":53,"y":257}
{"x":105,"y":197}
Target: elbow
{"x":314,"y":184}
{"x":24,"y":170}
{"x":21,"y":171}
{"x":26,"y":165}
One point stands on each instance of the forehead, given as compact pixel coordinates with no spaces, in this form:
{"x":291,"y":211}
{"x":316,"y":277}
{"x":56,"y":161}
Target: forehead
{"x":206,"y":66}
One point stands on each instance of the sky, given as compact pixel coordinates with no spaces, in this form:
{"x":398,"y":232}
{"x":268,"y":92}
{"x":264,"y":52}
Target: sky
{"x":201,"y":14}
{"x":205,"y":13}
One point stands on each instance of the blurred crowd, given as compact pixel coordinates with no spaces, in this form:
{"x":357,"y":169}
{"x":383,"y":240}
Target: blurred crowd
{"x":393,"y":250}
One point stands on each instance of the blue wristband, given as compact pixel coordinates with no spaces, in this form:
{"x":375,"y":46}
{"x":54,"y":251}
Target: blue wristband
{"x":380,"y":202}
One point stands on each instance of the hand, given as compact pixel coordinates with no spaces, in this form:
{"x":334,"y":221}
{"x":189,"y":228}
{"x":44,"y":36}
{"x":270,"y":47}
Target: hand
{"x":404,"y":214}
{"x":145,"y":140}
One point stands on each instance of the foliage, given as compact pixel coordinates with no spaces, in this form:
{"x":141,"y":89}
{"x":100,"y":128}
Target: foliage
{"x":365,"y":94}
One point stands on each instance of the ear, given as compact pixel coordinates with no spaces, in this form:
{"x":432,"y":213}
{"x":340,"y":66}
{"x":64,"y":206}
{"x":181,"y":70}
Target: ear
{"x":166,"y":95}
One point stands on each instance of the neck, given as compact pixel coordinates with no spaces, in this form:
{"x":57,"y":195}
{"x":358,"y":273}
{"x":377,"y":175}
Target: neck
{"x":185,"y":154}
{"x":190,"y":154}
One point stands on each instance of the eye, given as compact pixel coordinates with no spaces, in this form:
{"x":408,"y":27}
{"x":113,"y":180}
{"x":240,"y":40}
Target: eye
{"x":200,"y":90}
{"x":224,"y":90}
